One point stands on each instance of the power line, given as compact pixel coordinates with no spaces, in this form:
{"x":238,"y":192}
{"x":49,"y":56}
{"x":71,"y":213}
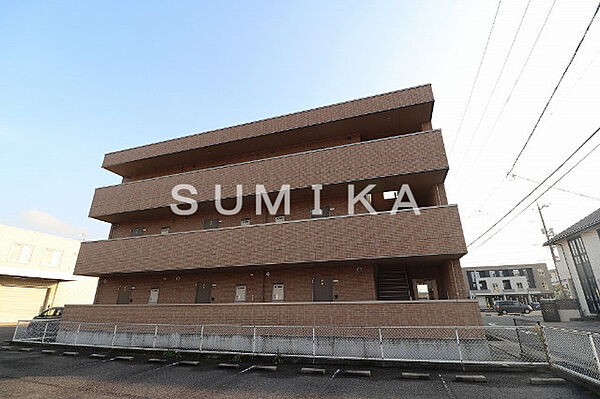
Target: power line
{"x":554,"y":91}
{"x":476,"y":77}
{"x":539,"y":196}
{"x":516,"y":82}
{"x":487,"y":104}
{"x":558,"y":188}
{"x":536,"y":187}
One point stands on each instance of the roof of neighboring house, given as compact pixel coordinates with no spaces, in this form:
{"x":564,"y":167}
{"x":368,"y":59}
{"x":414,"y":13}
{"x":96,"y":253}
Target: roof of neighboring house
{"x":591,"y":220}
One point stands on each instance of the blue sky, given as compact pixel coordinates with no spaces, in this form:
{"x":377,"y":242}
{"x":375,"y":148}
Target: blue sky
{"x":79,"y":79}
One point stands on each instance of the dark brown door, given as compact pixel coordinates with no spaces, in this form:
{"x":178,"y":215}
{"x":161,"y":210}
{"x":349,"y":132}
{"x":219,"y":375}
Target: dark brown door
{"x":322,"y":289}
{"x":124,"y":295}
{"x":203,"y":292}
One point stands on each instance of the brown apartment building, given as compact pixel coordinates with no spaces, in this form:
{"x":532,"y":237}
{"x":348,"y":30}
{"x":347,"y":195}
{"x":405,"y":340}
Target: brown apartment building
{"x":300,"y":268}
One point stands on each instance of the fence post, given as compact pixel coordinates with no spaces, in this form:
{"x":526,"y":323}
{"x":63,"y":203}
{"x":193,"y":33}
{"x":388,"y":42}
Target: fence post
{"x":44,"y":335}
{"x":254,"y":341}
{"x":381,"y":343}
{"x":544,"y":340}
{"x":593,"y":345}
{"x":518,"y":337}
{"x":314,"y":344}
{"x":155,"y":334}
{"x":16,"y":328}
{"x":460,"y":356}
{"x":201,"y":338}
{"x":114,"y":336}
{"x":76,"y":334}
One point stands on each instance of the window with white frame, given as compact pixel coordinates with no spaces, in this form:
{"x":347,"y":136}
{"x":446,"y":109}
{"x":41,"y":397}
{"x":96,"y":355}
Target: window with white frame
{"x":20,"y":253}
{"x":52,"y":257}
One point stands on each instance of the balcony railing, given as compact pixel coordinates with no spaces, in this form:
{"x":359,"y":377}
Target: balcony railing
{"x":399,"y":155}
{"x":436,"y":231}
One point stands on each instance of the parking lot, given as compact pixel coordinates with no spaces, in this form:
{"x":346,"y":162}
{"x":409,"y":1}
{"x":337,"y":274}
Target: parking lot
{"x":37,"y":375}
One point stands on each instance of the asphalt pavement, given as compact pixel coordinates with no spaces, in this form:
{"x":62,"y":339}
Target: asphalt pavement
{"x":37,"y":375}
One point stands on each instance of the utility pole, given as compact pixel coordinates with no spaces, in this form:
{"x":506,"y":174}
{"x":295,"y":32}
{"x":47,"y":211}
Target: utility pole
{"x":548,"y":237}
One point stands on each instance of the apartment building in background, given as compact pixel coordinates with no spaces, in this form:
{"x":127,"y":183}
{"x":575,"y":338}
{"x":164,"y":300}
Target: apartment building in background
{"x":578,"y":263}
{"x":36,"y":272}
{"x":324,"y":267}
{"x":522,"y":282}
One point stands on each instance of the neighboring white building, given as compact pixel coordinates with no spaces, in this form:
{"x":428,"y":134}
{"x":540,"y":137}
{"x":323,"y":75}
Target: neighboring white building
{"x":524,"y":282}
{"x":578,"y":261}
{"x":36,"y":272}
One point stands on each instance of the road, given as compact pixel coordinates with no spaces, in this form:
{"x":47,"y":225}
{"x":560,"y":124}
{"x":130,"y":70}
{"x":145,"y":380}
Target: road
{"x":36,"y":375}
{"x":6,"y":332}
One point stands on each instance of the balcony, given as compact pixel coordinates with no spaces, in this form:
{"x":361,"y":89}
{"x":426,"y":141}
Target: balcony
{"x":435,"y":232}
{"x":372,"y":117}
{"x":420,"y":153}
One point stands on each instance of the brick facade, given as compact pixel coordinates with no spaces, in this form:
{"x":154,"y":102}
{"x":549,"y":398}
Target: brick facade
{"x":361,"y":314}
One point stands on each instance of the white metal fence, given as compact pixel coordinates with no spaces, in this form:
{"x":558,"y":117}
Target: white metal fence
{"x":574,"y":352}
{"x":480,"y":344}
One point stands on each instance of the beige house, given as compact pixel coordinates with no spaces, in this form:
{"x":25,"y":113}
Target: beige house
{"x":36,"y":272}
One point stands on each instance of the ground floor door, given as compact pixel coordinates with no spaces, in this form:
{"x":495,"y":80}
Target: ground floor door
{"x":322,"y":289}
{"x":21,"y":303}
{"x":124,"y":295}
{"x":203,"y":292}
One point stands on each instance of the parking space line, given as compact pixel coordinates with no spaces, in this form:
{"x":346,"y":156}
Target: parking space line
{"x":447,"y":388}
{"x":248,"y":369}
{"x":334,"y":374}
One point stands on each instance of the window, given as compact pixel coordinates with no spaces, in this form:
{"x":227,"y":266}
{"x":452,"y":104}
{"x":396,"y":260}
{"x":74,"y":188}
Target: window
{"x":530,"y":279}
{"x":240,"y":293}
{"x":506,"y":284}
{"x":277,"y":292}
{"x":211,"y":224}
{"x":516,"y":272}
{"x":52,"y":257}
{"x":165,"y":230}
{"x":245,"y":222}
{"x":137,"y":231}
{"x":492,"y":273}
{"x":153,"y":298}
{"x":20,"y":253}
{"x":585,"y":273}
{"x":520,"y":286}
{"x":324,"y":212}
{"x":472,"y":280}
{"x":483,"y":285}
{"x":484,"y":273}
{"x":279,"y":219}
